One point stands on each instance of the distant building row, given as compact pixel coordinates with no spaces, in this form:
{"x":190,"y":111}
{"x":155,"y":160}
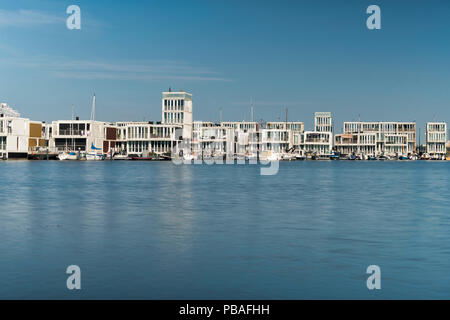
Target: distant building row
{"x":20,"y":137}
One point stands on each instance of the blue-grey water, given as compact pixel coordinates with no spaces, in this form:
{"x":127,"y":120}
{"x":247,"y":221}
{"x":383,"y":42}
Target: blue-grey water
{"x":161,"y":231}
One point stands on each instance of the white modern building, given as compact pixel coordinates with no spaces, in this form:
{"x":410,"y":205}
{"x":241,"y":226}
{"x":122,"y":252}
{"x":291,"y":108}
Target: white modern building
{"x":82,"y":135}
{"x":377,"y":138}
{"x":212,"y":140}
{"x":436,"y":140}
{"x":320,"y":141}
{"x":142,"y":138}
{"x":317,"y":143}
{"x":14,"y":135}
{"x":282,"y":136}
{"x":246,"y":137}
{"x":19,"y":136}
{"x":7,"y":111}
{"x":323,"y":122}
{"x":177,"y":110}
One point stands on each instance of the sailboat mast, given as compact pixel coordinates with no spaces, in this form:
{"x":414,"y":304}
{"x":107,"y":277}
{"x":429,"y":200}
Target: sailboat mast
{"x":93,"y":109}
{"x":71,"y":131}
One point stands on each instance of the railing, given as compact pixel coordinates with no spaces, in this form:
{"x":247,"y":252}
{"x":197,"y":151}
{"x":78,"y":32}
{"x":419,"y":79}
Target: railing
{"x":42,"y":150}
{"x":73,"y":132}
{"x":317,"y":140}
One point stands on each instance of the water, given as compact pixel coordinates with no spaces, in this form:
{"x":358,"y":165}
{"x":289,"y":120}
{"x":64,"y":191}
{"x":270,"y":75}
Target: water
{"x":161,"y":231}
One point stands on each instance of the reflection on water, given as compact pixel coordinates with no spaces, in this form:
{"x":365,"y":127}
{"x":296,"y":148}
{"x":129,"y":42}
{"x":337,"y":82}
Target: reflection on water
{"x":157,"y":230}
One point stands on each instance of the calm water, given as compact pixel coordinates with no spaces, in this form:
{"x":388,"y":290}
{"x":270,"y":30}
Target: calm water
{"x":156,"y":230}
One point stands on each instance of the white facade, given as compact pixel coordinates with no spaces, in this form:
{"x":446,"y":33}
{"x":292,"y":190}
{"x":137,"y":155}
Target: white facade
{"x":320,"y":141}
{"x":280,"y":137}
{"x":212,"y":140}
{"x":7,"y":111}
{"x":19,"y":136}
{"x":141,"y":138}
{"x":436,"y":139}
{"x":246,"y":136}
{"x":356,"y":143}
{"x":323,"y":122}
{"x":77,"y":135}
{"x":317,"y":143}
{"x":391,"y":138}
{"x":14,"y":136}
{"x":177,"y":110}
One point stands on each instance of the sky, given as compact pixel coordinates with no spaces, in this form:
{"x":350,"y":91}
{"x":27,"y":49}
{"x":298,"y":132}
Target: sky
{"x":305,"y":56}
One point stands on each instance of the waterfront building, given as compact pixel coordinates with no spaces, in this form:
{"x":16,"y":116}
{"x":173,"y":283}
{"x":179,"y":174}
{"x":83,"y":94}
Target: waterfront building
{"x":246,"y":136}
{"x":317,"y":143}
{"x":7,"y":111}
{"x":211,"y":140}
{"x":448,"y":150}
{"x":320,"y":141}
{"x":19,"y":136}
{"x":14,"y":135}
{"x":142,"y":138}
{"x":280,"y":137}
{"x":377,"y":138}
{"x":356,"y":143}
{"x":82,"y":135}
{"x":197,"y":135}
{"x":436,"y":135}
{"x":323,"y":122}
{"x":177,"y":110}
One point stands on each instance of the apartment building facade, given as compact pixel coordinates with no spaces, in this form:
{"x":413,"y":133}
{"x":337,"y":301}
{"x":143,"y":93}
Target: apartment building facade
{"x":436,"y":140}
{"x":377,"y":138}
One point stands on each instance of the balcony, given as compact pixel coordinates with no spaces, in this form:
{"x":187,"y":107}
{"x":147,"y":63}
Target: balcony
{"x":72,"y":132}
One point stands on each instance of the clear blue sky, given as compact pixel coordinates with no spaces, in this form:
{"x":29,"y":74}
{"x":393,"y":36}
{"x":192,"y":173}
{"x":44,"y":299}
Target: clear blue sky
{"x":304,"y":55}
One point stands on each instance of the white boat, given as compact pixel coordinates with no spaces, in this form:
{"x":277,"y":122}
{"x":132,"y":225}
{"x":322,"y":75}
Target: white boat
{"x":270,"y":156}
{"x":384,"y":158}
{"x":188,"y":157}
{"x":120,"y":157}
{"x":95,"y":154}
{"x":300,"y":155}
{"x":67,"y":156}
{"x":288,"y":157}
{"x":95,"y":157}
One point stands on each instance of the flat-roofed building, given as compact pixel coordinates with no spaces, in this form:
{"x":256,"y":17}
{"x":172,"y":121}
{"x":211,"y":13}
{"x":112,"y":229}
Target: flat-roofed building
{"x":436,"y":135}
{"x":213,"y":141}
{"x":177,"y":109}
{"x":19,"y":136}
{"x":356,"y":143}
{"x":320,"y":141}
{"x":282,"y":136}
{"x":246,"y":136}
{"x":317,"y":143}
{"x":14,"y":137}
{"x":377,"y":138}
{"x":142,"y":138}
{"x":323,"y":122}
{"x":79,"y":135}
{"x":286,"y":133}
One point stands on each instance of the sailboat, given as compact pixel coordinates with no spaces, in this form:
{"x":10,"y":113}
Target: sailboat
{"x":93,"y":155}
{"x":68,"y":156}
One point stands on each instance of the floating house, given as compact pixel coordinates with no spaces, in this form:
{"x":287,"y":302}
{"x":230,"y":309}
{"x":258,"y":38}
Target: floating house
{"x":320,"y":141}
{"x":377,"y":138}
{"x":436,"y":136}
{"x":177,"y":133}
{"x":19,"y":136}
